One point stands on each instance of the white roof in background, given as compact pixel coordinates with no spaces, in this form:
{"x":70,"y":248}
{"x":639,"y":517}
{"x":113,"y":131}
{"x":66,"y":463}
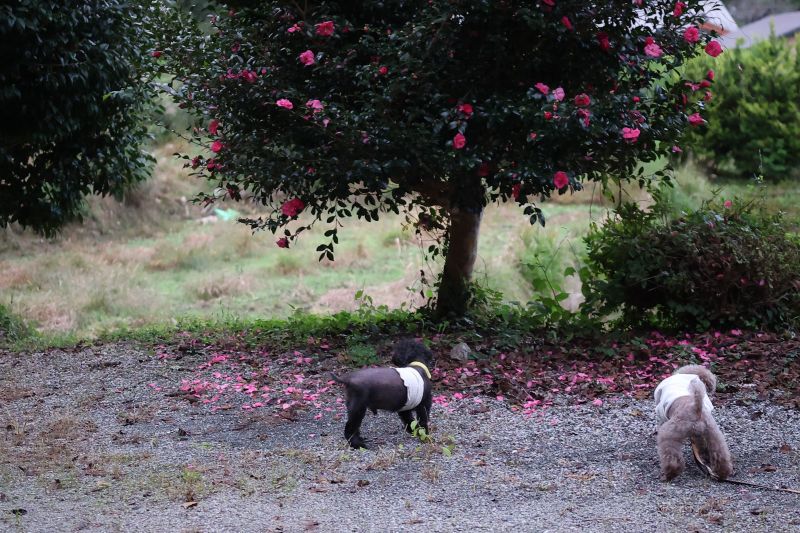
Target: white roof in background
{"x":786,"y":24}
{"x":718,"y":15}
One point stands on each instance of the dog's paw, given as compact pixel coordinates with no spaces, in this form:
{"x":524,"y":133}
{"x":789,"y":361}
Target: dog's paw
{"x":358,"y":444}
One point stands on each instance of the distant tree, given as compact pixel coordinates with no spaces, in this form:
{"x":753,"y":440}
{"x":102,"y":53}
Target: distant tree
{"x":71,"y":102}
{"x":434,"y":108}
{"x":754,"y":117}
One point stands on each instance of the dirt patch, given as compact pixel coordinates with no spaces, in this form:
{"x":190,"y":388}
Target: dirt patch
{"x":393,"y":295}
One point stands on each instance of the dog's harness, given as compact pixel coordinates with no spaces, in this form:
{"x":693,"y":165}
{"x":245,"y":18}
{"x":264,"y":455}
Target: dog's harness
{"x":672,"y":388}
{"x":415,"y":385}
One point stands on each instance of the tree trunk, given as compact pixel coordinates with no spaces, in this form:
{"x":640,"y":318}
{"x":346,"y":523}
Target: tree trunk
{"x":462,"y":250}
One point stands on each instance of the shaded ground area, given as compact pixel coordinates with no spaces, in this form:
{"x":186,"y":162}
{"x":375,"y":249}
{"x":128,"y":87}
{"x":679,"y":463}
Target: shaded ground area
{"x":190,"y":437}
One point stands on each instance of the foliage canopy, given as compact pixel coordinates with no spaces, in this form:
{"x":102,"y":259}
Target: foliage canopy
{"x":434,"y":108}
{"x":71,"y":102}
{"x":754,"y":117}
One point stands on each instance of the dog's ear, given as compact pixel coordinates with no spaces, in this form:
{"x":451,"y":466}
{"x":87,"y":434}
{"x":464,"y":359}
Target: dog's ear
{"x":406,"y":351}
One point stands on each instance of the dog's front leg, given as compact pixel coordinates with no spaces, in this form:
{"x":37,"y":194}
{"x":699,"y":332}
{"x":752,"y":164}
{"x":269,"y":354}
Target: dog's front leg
{"x":407,"y":417}
{"x":422,"y":413}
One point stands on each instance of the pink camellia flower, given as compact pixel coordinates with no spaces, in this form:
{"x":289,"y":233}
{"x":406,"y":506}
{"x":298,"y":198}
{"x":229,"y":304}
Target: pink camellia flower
{"x":630,"y":134}
{"x":695,"y":119}
{"x":710,"y":75}
{"x":459,"y":141}
{"x":550,"y":3}
{"x":307,"y":58}
{"x":636,"y":99}
{"x":483,"y":170}
{"x":249,"y":76}
{"x":548,"y":115}
{"x":653,"y":50}
{"x":284,"y":103}
{"x":325,"y":29}
{"x":515,"y":190}
{"x":691,"y":35}
{"x":728,"y":204}
{"x":466,"y":109}
{"x":213,"y":126}
{"x":676,"y":149}
{"x":294,"y":28}
{"x":542,"y":88}
{"x":679,"y":7}
{"x":602,"y":39}
{"x":567,"y":24}
{"x":156,"y":53}
{"x":582,"y":100}
{"x":560,"y":179}
{"x":713,"y":48}
{"x":216,"y":146}
{"x":283,"y":242}
{"x":598,"y":402}
{"x":558,"y":94}
{"x":236,"y":47}
{"x":211,"y":164}
{"x":293,"y":207}
{"x":316,"y":105}
{"x":383,"y":71}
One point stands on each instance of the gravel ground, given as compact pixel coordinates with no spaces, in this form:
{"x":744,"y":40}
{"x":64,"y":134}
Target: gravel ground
{"x":87,"y":445}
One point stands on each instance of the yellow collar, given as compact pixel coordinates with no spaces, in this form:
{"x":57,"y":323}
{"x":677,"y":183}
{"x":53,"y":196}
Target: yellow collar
{"x":423,"y":367}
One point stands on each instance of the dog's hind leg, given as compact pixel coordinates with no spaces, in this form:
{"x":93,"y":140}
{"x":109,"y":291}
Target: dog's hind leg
{"x":719,"y":457}
{"x":356,"y":409}
{"x":407,"y":417}
{"x":670,"y":449}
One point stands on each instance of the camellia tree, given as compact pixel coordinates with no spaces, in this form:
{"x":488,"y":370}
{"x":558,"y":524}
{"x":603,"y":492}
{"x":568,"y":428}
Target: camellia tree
{"x":435,"y":108}
{"x":73,"y":101}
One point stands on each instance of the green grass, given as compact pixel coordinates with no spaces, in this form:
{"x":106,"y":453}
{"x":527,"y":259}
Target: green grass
{"x":150,"y":265}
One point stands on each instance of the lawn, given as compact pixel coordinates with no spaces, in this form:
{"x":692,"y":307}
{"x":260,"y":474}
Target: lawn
{"x":158,"y":257}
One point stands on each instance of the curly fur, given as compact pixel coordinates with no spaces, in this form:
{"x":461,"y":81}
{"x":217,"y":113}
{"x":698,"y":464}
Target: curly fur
{"x":688,"y":421}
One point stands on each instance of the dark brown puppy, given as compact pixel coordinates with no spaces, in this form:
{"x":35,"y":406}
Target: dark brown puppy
{"x":384,"y":388}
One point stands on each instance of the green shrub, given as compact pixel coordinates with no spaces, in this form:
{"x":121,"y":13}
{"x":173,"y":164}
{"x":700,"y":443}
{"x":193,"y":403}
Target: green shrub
{"x":753,"y":118}
{"x":720,"y":265}
{"x":73,"y":97}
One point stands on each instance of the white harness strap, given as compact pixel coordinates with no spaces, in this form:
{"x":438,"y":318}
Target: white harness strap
{"x":672,"y":388}
{"x":415,"y":386}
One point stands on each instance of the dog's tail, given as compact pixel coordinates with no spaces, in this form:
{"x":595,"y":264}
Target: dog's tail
{"x":698,"y":427}
{"x":698,"y":391}
{"x":337,"y":379}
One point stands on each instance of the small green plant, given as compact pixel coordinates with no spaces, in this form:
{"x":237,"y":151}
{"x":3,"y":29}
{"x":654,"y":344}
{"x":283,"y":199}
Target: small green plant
{"x":12,"y":328}
{"x":362,"y":355}
{"x":446,"y":446}
{"x":419,"y":432}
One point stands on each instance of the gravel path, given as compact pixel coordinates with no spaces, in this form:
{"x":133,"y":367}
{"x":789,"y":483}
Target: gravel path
{"x":87,"y":445}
